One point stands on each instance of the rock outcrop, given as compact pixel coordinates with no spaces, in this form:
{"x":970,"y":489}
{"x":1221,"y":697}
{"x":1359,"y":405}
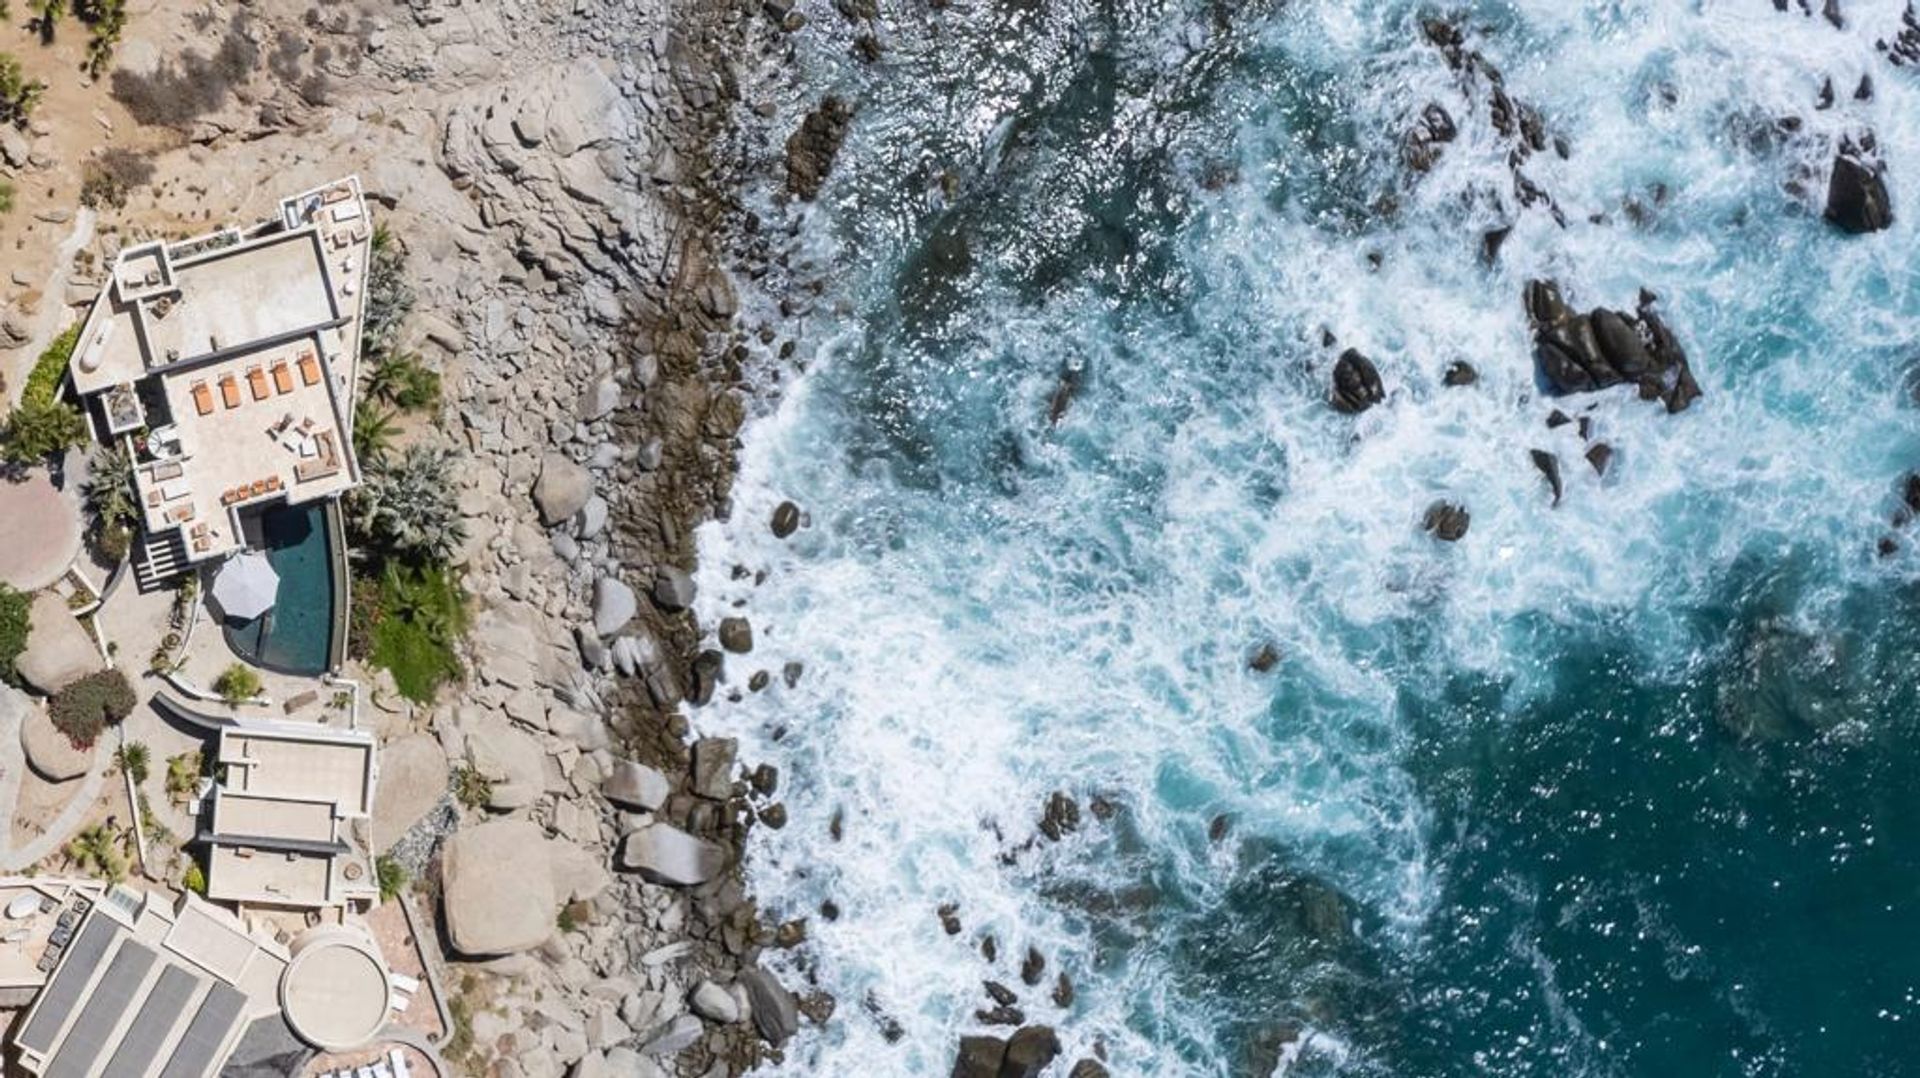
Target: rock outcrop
{"x":59,"y":650}
{"x":1580,"y":353}
{"x":497,"y":891}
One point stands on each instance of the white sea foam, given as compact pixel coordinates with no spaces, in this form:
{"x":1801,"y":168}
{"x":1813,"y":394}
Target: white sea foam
{"x":1079,"y":619}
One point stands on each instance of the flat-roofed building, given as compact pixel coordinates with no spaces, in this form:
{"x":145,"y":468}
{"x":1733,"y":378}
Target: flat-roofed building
{"x":287,"y":825}
{"x":228,"y":362}
{"x":142,"y":989}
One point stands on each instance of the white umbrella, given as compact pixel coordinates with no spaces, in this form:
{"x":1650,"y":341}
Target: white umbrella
{"x":245,"y":586}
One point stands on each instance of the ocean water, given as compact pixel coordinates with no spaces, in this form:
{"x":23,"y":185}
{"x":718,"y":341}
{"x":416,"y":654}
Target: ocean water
{"x":1624,"y":786}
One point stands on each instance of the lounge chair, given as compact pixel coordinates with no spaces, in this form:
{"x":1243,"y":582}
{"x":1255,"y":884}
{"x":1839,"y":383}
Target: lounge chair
{"x":257,"y":381}
{"x":202,"y":398}
{"x":282,"y":378}
{"x":309,"y":369}
{"x":229,"y":391}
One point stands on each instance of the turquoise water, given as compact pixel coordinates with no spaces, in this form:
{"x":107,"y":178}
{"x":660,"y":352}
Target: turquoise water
{"x":1618,"y":787}
{"x":296,"y":636}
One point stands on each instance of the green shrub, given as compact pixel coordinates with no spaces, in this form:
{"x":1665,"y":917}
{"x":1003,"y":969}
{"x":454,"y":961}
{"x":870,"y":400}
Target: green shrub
{"x":6,"y":196}
{"x":97,"y":850}
{"x":193,"y":879}
{"x":43,"y":384}
{"x":19,"y":95}
{"x":15,"y":608}
{"x":134,"y":758}
{"x":91,"y":704}
{"x":237,"y":684}
{"x":470,"y":787}
{"x":175,"y":94}
{"x":183,"y":774}
{"x":424,"y":616}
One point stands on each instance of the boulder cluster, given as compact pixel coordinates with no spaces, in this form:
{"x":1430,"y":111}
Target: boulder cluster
{"x":1582,"y":352}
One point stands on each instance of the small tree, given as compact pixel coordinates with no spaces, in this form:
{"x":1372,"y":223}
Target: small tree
{"x":109,"y":492}
{"x":392,"y":877}
{"x":91,"y":704}
{"x":238,"y":684}
{"x":19,"y":95}
{"x":15,"y":622}
{"x":374,"y":430}
{"x":46,"y":15}
{"x":36,"y":431}
{"x":97,"y":850}
{"x":193,"y":879}
{"x":134,"y":759}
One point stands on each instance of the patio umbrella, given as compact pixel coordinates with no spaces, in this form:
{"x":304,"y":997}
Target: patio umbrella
{"x":245,"y":586}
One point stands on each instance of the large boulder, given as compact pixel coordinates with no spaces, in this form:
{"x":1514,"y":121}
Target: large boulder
{"x":1029,"y":1051}
{"x":50,"y":752}
{"x":512,"y":762}
{"x":1857,"y":198}
{"x":636,"y":786}
{"x":1356,"y":384}
{"x":673,"y":588}
{"x":562,"y":489}
{"x":979,"y":1057}
{"x":614,"y":605}
{"x":59,"y":651}
{"x":713,"y":762}
{"x":413,"y":779}
{"x":1580,"y":353}
{"x":497,"y":888}
{"x":775,"y":1014}
{"x":662,"y":853}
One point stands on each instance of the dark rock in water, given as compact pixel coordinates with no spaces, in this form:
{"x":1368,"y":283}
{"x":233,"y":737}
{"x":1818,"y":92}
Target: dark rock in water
{"x":790,"y":673}
{"x":1857,"y":199}
{"x":1062,"y":816}
{"x":1578,"y":353}
{"x":736,"y":635}
{"x":890,"y":1027}
{"x":1910,"y":491}
{"x":1217,"y":830}
{"x":837,"y":826}
{"x":1000,"y":993}
{"x":1459,"y":373}
{"x":1446,"y":521}
{"x":1032,"y":967}
{"x":949,"y":918}
{"x":1585,"y":428}
{"x":1864,"y":91}
{"x":1888,"y":546}
{"x":1103,"y":808}
{"x":759,"y":681}
{"x":1783,"y":683}
{"x":989,"y":949}
{"x":1029,"y":1051}
{"x":1825,"y":100}
{"x":774,"y":815}
{"x":1320,"y":913}
{"x":1549,"y":466}
{"x":786,"y":519}
{"x":1832,"y":12}
{"x":706,"y":674}
{"x":1491,"y":241}
{"x":979,"y":1057}
{"x":812,"y":148}
{"x":1600,"y":454}
{"x":1088,"y":1068}
{"x":1267,"y":1046}
{"x":790,"y":934}
{"x":765,"y":780}
{"x":1002,"y":1015}
{"x":1421,"y":147}
{"x":1063,"y":394}
{"x":1063,"y":990}
{"x":1264,"y":659}
{"x":1558,"y":418}
{"x":830,"y":910}
{"x":1356,"y":384}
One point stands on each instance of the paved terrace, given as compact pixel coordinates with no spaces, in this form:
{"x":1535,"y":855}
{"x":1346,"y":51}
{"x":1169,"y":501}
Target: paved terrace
{"x":260,"y":427}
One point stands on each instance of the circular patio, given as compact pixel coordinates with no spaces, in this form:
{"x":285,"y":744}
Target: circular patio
{"x":39,"y":532}
{"x":335,"y":993}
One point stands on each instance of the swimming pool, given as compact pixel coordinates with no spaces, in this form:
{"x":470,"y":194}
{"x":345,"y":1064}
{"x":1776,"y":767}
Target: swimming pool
{"x":296,"y":636}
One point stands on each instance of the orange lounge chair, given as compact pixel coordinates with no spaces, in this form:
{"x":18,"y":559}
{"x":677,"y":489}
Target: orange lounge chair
{"x":202,"y":398}
{"x":282,"y":378}
{"x":257,"y":381}
{"x":229,"y":391}
{"x":309,"y":369}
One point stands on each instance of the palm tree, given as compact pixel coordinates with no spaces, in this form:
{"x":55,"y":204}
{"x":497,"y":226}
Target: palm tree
{"x":134,"y":760}
{"x":109,"y":487}
{"x":97,"y":850}
{"x":374,"y":430}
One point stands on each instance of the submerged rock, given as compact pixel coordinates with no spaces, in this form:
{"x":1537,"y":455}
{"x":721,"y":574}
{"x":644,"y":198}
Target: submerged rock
{"x":1549,"y":466}
{"x":812,"y":148}
{"x":1459,"y":373}
{"x":1356,"y":384}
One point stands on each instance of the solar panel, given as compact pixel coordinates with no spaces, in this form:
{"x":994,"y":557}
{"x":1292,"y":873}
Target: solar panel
{"x":105,"y":1007}
{"x":63,"y":992}
{"x":199,"y":1046}
{"x":163,"y":1007}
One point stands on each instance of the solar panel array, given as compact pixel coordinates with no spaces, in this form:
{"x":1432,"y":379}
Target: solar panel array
{"x":62,"y":994}
{"x":157,"y":1017}
{"x":102,"y":1014}
{"x":199,"y":1046}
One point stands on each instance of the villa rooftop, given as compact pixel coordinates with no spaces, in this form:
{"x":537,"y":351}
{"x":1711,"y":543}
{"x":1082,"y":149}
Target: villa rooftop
{"x":230,"y":361}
